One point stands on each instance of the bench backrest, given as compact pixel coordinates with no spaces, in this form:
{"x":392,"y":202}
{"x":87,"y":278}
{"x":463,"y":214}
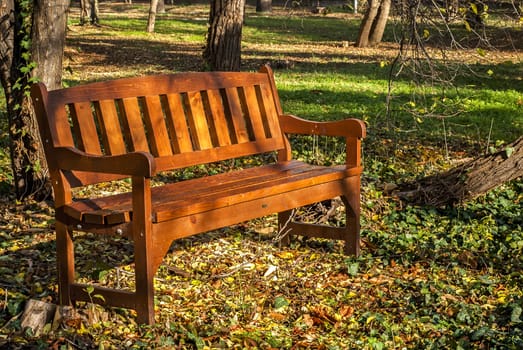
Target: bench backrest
{"x":181,"y":119}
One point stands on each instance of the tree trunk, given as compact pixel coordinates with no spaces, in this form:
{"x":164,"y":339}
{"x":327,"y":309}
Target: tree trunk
{"x":88,"y":10}
{"x":263,"y":5}
{"x":152,"y":16}
{"x":374,"y":23}
{"x":161,"y":6}
{"x":223,"y":48}
{"x":21,"y":64}
{"x":366,"y":24}
{"x":468,"y":180}
{"x":48,"y":41}
{"x":380,"y":22}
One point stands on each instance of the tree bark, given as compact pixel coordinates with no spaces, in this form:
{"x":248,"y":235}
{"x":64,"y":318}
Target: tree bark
{"x":151,"y":20}
{"x":263,"y":5}
{"x":223,"y":47}
{"x":366,"y":24}
{"x":468,"y":180}
{"x":380,"y":22}
{"x":88,"y":10}
{"x":21,"y":64}
{"x":161,"y":6}
{"x":373,"y":24}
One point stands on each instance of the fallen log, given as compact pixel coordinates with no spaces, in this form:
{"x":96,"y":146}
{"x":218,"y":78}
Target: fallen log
{"x":468,"y":180}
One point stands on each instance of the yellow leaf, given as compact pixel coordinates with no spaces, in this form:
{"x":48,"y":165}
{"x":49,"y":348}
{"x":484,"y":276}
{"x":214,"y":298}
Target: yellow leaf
{"x":480,"y":51}
{"x":285,"y":255}
{"x":426,"y":33}
{"x":490,"y":72}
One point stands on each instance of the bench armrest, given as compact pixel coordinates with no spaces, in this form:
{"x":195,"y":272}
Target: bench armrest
{"x":352,"y":129}
{"x":131,"y":164}
{"x":292,"y":124}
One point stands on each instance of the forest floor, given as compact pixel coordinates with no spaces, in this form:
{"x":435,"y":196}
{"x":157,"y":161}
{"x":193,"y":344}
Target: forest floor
{"x":445,"y":277}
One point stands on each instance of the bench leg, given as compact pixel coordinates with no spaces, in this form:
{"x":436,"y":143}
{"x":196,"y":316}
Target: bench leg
{"x":65,"y":262}
{"x":351,"y":200}
{"x":144,"y":287}
{"x":350,"y":233}
{"x":143,"y":249}
{"x":352,"y":227}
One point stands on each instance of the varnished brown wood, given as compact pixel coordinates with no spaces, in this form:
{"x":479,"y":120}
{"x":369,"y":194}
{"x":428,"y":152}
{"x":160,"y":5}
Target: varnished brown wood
{"x":176,"y":120}
{"x":85,"y":128}
{"x":109,"y":123}
{"x":156,"y":127}
{"x":133,"y":126}
{"x":136,"y":127}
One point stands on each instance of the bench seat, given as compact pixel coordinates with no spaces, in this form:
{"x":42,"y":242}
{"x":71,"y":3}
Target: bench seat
{"x":199,"y":195}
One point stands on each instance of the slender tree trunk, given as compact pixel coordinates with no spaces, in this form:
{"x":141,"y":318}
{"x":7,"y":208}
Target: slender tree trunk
{"x":223,"y":48}
{"x":380,"y":22}
{"x":161,"y":6}
{"x":468,"y":180}
{"x":151,"y":21}
{"x":263,"y":5}
{"x":20,"y":65}
{"x":7,"y":31}
{"x":88,"y":10}
{"x":374,"y":23}
{"x":367,"y":23}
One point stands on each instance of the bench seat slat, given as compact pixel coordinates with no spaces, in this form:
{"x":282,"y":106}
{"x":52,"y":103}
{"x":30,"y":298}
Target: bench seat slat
{"x":207,"y":193}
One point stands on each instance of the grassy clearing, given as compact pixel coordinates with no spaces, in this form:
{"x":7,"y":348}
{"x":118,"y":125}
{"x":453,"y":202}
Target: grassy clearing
{"x":427,"y":278}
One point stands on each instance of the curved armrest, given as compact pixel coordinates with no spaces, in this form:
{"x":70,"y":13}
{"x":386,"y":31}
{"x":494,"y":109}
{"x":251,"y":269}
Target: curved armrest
{"x":131,"y":164}
{"x":351,"y":127}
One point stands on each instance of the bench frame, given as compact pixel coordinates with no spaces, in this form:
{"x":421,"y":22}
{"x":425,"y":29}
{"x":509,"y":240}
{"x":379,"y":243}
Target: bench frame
{"x":89,"y":152}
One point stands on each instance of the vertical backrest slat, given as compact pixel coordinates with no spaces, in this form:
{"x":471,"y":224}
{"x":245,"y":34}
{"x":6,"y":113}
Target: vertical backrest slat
{"x":253,"y":112}
{"x":110,"y":124}
{"x":132,"y":123}
{"x":217,"y":114}
{"x":156,"y":128}
{"x":235,"y":114}
{"x":268,"y":110}
{"x":198,"y":125}
{"x":177,"y":124}
{"x":84,"y":126}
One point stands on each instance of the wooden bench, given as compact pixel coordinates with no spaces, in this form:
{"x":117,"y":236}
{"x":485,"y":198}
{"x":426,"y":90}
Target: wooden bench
{"x":138,"y":127}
